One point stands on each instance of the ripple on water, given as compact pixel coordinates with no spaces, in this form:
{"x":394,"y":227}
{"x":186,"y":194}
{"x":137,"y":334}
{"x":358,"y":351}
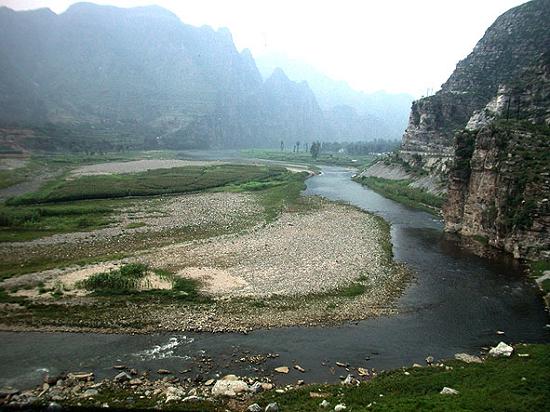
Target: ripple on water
{"x":166,"y":350}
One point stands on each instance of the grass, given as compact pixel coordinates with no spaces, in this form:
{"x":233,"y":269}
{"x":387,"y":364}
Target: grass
{"x":122,"y":280}
{"x":537,"y":268}
{"x":126,"y":282}
{"x":400,"y":191}
{"x":496,"y":385}
{"x":29,"y":222}
{"x":149,"y":183}
{"x":334,"y":159}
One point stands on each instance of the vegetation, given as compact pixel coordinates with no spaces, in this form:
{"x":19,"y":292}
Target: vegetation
{"x":30,"y":222}
{"x":125,"y":279}
{"x":152,"y":182}
{"x":305,"y":157}
{"x":400,"y":191}
{"x":499,"y":384}
{"x":537,"y":268}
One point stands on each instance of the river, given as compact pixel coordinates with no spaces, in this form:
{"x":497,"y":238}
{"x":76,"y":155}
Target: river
{"x":456,"y":303}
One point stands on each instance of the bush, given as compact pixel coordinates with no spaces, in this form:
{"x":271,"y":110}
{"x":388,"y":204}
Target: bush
{"x":125,"y":279}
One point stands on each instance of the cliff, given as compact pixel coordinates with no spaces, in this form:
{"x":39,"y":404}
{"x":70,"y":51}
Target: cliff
{"x":509,"y":46}
{"x":499,"y":186}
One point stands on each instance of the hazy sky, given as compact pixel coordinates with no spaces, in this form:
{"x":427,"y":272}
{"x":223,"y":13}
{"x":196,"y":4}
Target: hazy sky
{"x":393,"y":45}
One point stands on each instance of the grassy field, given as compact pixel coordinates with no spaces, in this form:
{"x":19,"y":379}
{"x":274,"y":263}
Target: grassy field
{"x":400,"y":191}
{"x":334,"y":159}
{"x":149,"y":183}
{"x":514,"y":384}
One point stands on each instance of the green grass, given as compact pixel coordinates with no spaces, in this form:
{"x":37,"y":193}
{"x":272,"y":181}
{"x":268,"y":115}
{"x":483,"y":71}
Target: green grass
{"x":122,"y":280}
{"x":27,"y":223}
{"x":135,"y":225}
{"x":334,"y":159}
{"x":537,"y":268}
{"x":400,"y":191}
{"x":126,"y":280}
{"x":149,"y":183}
{"x":495,"y":385}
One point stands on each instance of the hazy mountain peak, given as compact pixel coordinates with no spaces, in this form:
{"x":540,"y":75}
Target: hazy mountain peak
{"x":85,"y":8}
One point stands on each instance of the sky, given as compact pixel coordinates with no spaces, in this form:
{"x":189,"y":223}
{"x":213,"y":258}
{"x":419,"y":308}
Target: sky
{"x":400,"y":46}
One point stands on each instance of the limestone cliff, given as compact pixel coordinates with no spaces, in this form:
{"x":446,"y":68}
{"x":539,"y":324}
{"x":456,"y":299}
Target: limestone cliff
{"x":511,"y":44}
{"x":499,"y":186}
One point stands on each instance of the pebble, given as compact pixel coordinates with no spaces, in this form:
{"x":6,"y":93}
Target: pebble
{"x":340,"y":407}
{"x":254,"y":408}
{"x":448,"y":391}
{"x":272,"y":407}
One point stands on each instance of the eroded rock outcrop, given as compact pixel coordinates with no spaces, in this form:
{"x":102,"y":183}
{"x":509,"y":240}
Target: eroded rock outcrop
{"x":511,"y":44}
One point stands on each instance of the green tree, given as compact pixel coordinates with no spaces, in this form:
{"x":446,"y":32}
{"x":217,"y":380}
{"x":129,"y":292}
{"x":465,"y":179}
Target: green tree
{"x":315,"y":149}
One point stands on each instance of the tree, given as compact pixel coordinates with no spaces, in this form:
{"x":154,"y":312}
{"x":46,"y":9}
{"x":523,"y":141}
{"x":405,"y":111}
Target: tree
{"x":315,"y":149}
{"x":297,"y":147}
{"x":282,"y":146}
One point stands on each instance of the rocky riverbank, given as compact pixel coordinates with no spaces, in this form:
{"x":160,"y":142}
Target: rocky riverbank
{"x":448,"y":381}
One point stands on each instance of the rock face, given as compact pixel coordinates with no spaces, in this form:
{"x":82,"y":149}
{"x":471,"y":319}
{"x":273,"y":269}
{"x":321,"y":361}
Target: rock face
{"x":510,"y":45}
{"x":499,"y":185}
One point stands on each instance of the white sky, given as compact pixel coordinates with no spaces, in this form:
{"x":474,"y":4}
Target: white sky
{"x":393,"y":45}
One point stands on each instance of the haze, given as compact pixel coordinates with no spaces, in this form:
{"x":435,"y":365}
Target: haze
{"x":396,"y":46}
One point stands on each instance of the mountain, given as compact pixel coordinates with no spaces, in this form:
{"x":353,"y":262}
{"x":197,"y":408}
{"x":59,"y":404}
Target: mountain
{"x":510,"y":45}
{"x":486,"y":136}
{"x":109,"y":78}
{"x":378,"y":115}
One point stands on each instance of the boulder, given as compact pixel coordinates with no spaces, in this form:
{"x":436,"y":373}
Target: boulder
{"x":272,"y":407}
{"x":340,"y":407}
{"x":282,"y":369}
{"x":122,"y":377}
{"x":89,"y":393}
{"x":448,"y":391}
{"x":502,"y":349}
{"x":254,"y":408}
{"x":256,"y":387}
{"x":324,"y":404}
{"x":8,"y":391}
{"x":464,"y":357}
{"x":230,"y":388}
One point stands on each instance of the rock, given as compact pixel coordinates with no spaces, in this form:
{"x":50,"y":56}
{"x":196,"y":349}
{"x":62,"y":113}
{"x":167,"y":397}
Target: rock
{"x":119,"y":367}
{"x":8,"y":391}
{"x":254,"y":408}
{"x":54,"y":407}
{"x":430,"y":360}
{"x":523,"y":355}
{"x":230,"y":378}
{"x":324,"y":404}
{"x":209,"y":382}
{"x":448,"y":391}
{"x":51,"y":380}
{"x":133,"y":372}
{"x":230,"y":388}
{"x":363,"y":371}
{"x":350,"y":380}
{"x":81,"y":376}
{"x":256,"y":387}
{"x":499,"y":332}
{"x":193,"y":398}
{"x":502,"y":349}
{"x":267,"y":386}
{"x":272,"y":407}
{"x":416,"y":365}
{"x":464,"y":357}
{"x":341,"y":364}
{"x":300,"y":382}
{"x":164,"y":372}
{"x":299,"y":368}
{"x":340,"y":407}
{"x":122,"y":377}
{"x":89,"y":393}
{"x":282,"y":369}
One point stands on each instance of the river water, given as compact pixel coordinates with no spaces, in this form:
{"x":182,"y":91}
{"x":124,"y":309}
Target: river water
{"x":456,"y":303}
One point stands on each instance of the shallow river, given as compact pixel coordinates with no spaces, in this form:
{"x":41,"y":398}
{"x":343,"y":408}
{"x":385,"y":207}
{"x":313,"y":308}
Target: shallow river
{"x":456,"y":303}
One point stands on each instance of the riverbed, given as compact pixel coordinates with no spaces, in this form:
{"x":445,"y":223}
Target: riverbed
{"x":456,"y":303}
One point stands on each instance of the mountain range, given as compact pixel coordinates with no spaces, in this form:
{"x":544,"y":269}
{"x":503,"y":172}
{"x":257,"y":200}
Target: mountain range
{"x":95,"y":75}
